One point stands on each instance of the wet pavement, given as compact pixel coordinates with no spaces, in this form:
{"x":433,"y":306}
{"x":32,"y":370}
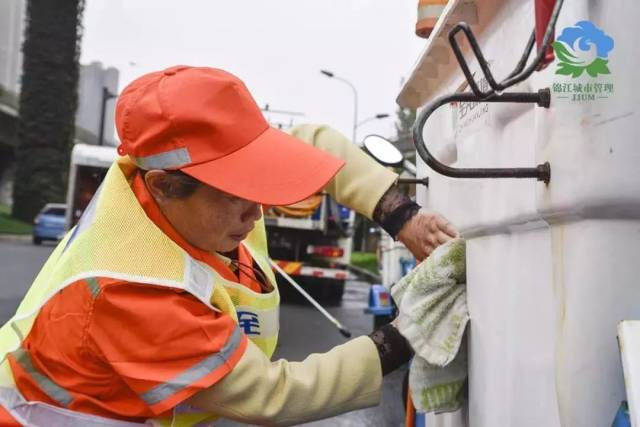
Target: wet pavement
{"x":303,"y":329}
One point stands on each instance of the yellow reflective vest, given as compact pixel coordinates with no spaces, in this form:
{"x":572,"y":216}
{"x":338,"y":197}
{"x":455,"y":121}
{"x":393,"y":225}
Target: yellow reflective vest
{"x":95,"y":248}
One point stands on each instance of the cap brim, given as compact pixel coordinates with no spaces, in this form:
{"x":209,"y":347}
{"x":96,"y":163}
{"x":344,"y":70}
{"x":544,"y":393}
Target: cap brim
{"x":274,"y":169}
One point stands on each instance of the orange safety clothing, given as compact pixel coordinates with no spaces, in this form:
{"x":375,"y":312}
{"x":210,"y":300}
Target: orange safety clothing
{"x":128,"y":337}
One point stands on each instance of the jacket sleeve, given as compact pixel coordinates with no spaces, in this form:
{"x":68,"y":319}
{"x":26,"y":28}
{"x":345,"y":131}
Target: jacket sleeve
{"x":279,"y":393}
{"x":362,"y":181}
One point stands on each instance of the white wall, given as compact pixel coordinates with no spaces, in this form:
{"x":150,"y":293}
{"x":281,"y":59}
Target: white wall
{"x":551,"y":269}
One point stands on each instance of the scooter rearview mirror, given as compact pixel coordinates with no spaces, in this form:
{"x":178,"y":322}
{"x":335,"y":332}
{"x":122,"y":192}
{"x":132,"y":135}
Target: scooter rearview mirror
{"x":383,"y":150}
{"x":385,"y":153}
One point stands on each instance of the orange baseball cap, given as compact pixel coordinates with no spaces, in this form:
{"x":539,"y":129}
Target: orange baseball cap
{"x":204,"y":122}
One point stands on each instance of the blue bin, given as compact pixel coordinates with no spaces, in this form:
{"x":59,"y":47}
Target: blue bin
{"x":622,"y":416}
{"x":380,"y":303}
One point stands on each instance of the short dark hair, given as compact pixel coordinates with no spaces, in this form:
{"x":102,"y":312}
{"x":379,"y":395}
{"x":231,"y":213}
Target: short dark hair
{"x":177,"y":184}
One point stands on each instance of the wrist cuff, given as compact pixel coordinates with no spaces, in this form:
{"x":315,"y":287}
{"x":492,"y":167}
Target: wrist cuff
{"x":393,"y":349}
{"x":394,"y":222}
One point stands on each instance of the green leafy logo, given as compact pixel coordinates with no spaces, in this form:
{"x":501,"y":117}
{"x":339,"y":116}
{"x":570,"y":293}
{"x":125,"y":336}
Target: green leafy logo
{"x":581,"y":48}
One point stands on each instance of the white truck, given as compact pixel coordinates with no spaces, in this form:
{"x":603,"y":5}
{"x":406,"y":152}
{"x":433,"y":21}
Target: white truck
{"x":315,"y":249}
{"x":313,"y":246}
{"x":88,"y":166}
{"x":552,"y":260}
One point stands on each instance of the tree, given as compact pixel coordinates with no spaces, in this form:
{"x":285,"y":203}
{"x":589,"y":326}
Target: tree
{"x":48,"y":101}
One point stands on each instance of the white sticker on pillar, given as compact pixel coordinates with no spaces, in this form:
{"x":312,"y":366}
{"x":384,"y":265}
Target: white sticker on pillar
{"x":583,"y":72}
{"x":469,"y":117}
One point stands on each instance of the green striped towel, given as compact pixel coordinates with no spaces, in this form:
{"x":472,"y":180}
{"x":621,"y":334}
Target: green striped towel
{"x":432,"y":300}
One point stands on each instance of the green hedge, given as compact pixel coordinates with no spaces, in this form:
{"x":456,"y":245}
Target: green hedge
{"x":366,"y":260}
{"x":10,"y":225}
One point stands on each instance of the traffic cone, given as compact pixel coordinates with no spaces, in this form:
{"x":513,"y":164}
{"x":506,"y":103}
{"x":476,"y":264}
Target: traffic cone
{"x":428,"y":13}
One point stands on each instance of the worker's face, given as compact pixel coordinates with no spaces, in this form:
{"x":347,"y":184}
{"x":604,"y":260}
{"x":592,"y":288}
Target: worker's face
{"x":211,"y":219}
{"x":216,"y":221}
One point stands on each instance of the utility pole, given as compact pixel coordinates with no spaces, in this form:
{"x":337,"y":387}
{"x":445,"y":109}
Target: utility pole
{"x":355,"y":102}
{"x":106,"y":95}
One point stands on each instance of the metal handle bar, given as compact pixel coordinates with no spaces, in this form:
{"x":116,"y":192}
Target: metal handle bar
{"x":424,"y":181}
{"x":517,"y":75}
{"x":541,"y":172}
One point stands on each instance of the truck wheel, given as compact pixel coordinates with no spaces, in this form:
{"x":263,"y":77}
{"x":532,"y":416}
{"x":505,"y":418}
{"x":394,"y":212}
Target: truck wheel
{"x":334,"y":290}
{"x":325,"y":291}
{"x":37,"y":240}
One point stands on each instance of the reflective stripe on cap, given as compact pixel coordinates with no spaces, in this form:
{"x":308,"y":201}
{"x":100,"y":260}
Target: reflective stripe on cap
{"x":173,"y":159}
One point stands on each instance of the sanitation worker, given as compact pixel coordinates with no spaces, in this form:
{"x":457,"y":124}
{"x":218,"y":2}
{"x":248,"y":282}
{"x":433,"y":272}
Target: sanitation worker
{"x":160,"y":306}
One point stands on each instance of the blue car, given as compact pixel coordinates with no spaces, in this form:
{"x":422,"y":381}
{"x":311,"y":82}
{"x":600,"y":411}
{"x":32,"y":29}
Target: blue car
{"x":49,"y":224}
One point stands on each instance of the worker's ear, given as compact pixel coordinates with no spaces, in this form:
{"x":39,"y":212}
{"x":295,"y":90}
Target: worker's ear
{"x":158,"y":184}
{"x":165,"y":185}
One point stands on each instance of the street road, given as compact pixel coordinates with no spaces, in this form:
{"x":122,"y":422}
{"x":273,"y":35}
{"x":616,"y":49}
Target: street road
{"x":303,"y":329}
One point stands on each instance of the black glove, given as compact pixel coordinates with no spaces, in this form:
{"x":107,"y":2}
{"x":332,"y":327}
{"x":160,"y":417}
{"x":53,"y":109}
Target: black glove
{"x":394,"y":350}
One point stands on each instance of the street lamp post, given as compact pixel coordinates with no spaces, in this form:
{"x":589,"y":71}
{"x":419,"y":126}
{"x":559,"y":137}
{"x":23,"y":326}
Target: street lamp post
{"x":327,"y":73}
{"x":106,"y":95}
{"x":355,"y":101}
{"x":376,"y":117}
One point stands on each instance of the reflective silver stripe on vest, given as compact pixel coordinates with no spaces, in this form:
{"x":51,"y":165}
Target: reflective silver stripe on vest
{"x":53,"y":390}
{"x":93,"y":285}
{"x":195,"y":373}
{"x":167,"y":160}
{"x":37,"y":414}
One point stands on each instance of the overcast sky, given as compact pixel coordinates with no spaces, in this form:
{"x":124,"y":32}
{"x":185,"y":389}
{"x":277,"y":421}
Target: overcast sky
{"x":277,"y":47}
